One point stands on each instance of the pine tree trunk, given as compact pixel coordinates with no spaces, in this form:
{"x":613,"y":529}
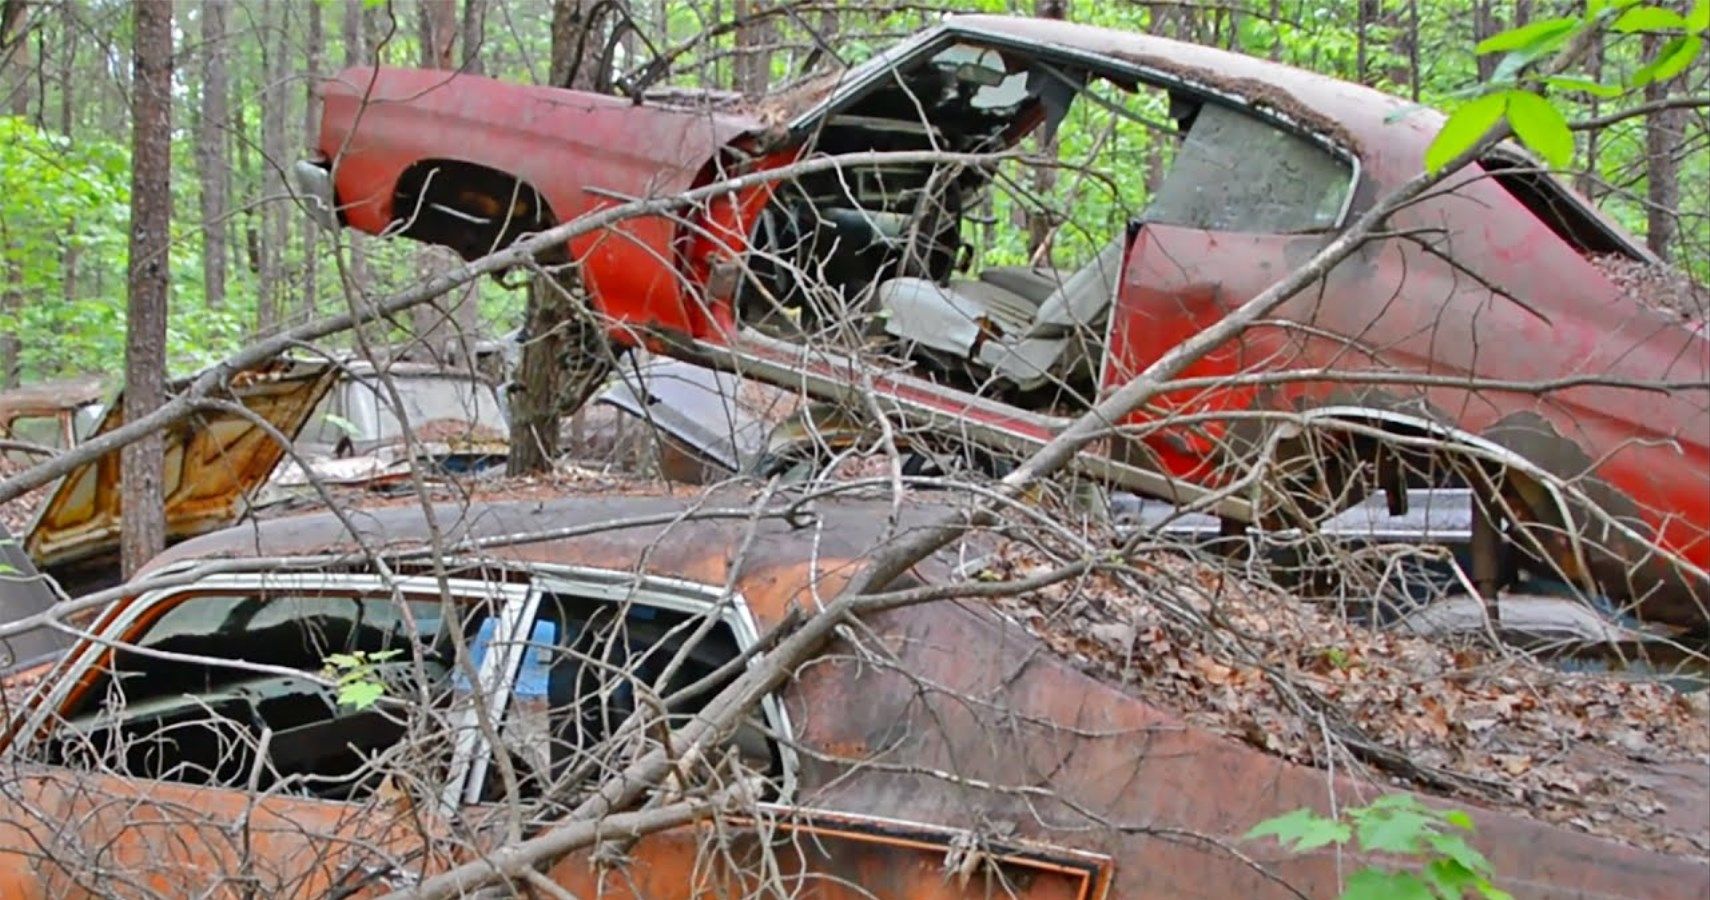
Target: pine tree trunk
{"x":15,"y":87}
{"x":143,"y":529}
{"x":275,"y":213}
{"x":753,"y":47}
{"x":313,"y":50}
{"x":474,"y":34}
{"x":565,"y":355}
{"x":211,"y":161}
{"x":1664,"y":132}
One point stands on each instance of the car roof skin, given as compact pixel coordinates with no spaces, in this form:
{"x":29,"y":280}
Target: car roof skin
{"x":829,"y":534}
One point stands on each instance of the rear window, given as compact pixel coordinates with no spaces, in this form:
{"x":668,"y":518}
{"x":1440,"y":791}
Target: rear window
{"x":1236,"y":172}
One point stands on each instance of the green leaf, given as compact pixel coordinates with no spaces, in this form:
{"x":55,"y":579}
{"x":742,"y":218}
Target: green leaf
{"x":1532,"y":35}
{"x":360,"y":694}
{"x":1464,"y":129}
{"x":1376,"y":884}
{"x":1541,"y":127}
{"x":1400,"y":831}
{"x":1451,"y":879}
{"x":1455,"y":847}
{"x":1648,"y":18}
{"x":1301,"y":830}
{"x":1673,"y":59}
{"x":343,"y":660}
{"x":1585,"y":85}
{"x":1699,"y":19}
{"x":1459,"y":819}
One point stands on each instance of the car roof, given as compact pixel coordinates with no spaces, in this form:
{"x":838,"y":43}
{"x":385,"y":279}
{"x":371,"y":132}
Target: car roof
{"x":49,"y":396}
{"x":679,"y":534}
{"x":1365,"y":120}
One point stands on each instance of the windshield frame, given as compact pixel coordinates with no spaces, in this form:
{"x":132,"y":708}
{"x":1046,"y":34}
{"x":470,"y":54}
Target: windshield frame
{"x":875,"y":71}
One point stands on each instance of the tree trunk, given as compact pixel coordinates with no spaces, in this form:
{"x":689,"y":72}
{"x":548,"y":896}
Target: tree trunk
{"x":211,"y":161}
{"x":313,"y":40}
{"x":143,"y":528}
{"x":275,"y":214}
{"x":577,"y":35}
{"x":1041,"y":222}
{"x":16,"y":88}
{"x":754,"y":41}
{"x":474,"y":34}
{"x":1484,"y":25}
{"x":565,"y":356}
{"x":1664,"y":132}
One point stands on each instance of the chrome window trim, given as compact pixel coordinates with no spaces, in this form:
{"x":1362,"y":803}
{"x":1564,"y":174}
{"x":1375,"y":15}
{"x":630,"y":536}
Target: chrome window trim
{"x":466,"y":723}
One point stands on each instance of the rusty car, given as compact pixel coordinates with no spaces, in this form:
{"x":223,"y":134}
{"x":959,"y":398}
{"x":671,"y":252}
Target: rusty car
{"x":376,"y":418}
{"x":192,"y":741}
{"x":49,"y":416}
{"x":1481,"y":322}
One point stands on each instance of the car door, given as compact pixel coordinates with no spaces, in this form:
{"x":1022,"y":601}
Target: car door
{"x":597,"y":651}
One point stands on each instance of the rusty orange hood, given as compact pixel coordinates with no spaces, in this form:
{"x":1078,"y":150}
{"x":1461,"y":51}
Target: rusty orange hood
{"x":214,"y":460}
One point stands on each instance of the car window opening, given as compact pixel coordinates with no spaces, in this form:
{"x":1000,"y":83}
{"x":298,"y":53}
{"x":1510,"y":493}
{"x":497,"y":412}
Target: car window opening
{"x":981,"y":275}
{"x":204,"y":722}
{"x":587,"y":668}
{"x":1553,"y":205}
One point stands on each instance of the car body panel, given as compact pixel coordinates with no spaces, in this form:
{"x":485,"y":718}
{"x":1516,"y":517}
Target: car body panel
{"x":1487,"y":290}
{"x":1067,"y":738}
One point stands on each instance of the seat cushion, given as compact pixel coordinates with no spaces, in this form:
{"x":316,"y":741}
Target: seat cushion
{"x":951,"y":317}
{"x":1034,"y":283}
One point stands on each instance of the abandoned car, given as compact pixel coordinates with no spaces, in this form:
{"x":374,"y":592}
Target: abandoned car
{"x":928,"y":301}
{"x":224,"y":462}
{"x":356,"y":434}
{"x":208,"y":706}
{"x":48,"y":417}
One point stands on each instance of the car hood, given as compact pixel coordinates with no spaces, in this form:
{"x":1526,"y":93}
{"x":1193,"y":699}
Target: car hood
{"x":214,"y":460}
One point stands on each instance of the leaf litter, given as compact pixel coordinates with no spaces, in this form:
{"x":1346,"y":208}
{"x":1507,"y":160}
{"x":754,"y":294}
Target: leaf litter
{"x":1603,"y":753}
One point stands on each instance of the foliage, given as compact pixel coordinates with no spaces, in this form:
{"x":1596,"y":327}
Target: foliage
{"x":1441,"y":865}
{"x":1539,"y":123}
{"x":355,"y":675}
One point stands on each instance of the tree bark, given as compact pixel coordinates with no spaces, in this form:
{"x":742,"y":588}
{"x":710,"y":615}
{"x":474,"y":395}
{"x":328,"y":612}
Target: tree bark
{"x":16,"y":88}
{"x":1041,"y":222}
{"x":275,"y":215}
{"x":565,"y":356}
{"x":212,"y":162}
{"x":577,"y":31}
{"x":753,"y":47}
{"x":314,"y":49}
{"x":474,"y":34}
{"x":143,"y":523}
{"x":1664,"y":132}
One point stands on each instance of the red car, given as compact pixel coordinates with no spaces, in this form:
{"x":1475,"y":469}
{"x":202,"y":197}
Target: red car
{"x":1482,"y":316}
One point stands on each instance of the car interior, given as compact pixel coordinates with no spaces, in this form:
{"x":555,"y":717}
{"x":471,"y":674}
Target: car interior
{"x":976,"y":273}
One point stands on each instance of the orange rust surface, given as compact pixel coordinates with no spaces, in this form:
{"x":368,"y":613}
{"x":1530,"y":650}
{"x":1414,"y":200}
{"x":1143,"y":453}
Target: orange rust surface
{"x":1078,"y":763}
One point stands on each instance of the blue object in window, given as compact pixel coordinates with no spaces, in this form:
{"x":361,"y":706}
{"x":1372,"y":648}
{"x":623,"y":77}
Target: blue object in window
{"x":531,"y":680}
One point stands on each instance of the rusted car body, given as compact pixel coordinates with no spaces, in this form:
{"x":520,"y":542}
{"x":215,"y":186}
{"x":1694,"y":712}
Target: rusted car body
{"x":215,"y":461}
{"x":1271,"y":162}
{"x":51,"y":415}
{"x":1061,"y":785}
